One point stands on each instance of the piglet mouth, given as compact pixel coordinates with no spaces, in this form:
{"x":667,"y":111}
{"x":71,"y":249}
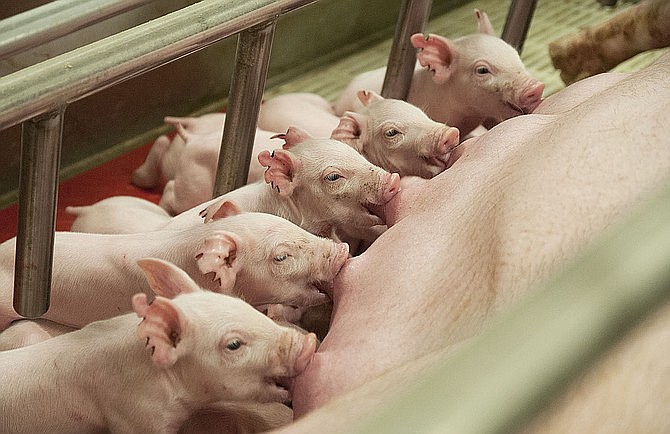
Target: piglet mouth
{"x":323,"y":289}
{"x":280,"y":387}
{"x":516,"y":108}
{"x":439,"y":161}
{"x":374,"y":211}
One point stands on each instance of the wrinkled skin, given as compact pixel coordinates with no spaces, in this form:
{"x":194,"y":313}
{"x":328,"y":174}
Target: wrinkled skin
{"x":464,"y":83}
{"x":227,"y":352}
{"x":259,"y":257}
{"x":521,"y":200}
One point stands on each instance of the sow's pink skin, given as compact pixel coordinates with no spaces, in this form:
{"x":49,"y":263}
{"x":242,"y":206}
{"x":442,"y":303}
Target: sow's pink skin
{"x":523,"y":200}
{"x":466,"y":82}
{"x":209,"y":348}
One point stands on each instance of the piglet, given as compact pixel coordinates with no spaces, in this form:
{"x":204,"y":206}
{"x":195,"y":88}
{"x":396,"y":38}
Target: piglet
{"x":258,"y":257}
{"x":185,"y":166}
{"x":463,"y":82}
{"x":310,"y":112}
{"x":390,"y":133}
{"x":116,"y":215}
{"x":207,"y":347}
{"x":322,"y":185}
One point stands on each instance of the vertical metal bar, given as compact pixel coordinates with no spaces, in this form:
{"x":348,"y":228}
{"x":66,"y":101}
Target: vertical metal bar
{"x":38,"y":191}
{"x":246,"y":92}
{"x":400,"y":68}
{"x":517,"y":22}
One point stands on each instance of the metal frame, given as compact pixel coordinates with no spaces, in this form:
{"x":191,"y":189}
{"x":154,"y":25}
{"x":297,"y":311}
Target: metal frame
{"x":49,"y":86}
{"x":55,"y":19}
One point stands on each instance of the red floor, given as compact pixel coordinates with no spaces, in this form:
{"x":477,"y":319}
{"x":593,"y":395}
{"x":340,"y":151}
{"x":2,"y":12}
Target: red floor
{"x":110,"y":179}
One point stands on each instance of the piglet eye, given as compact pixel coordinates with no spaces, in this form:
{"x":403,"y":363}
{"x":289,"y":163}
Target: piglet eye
{"x":234,"y":345}
{"x":334,"y":176}
{"x":392,"y":132}
{"x":281,"y":257}
{"x":481,"y":70}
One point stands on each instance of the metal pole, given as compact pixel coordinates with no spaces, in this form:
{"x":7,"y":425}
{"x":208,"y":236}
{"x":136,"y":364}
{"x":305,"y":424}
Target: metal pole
{"x":246,"y":92}
{"x":400,"y":68}
{"x":38,"y":192}
{"x":517,"y":22}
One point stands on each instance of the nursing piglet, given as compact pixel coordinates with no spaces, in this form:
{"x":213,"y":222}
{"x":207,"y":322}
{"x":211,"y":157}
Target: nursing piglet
{"x":258,"y":257}
{"x":322,"y":185}
{"x":112,"y":374}
{"x":463,"y":82}
{"x":390,"y":133}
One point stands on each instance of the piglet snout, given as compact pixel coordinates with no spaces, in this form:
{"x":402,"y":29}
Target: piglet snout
{"x":390,"y":186}
{"x":449,"y":138}
{"x":532,"y":97}
{"x":306,"y":353}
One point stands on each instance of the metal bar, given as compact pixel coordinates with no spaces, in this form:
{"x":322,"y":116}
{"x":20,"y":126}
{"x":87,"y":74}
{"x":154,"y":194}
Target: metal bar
{"x":38,"y":192}
{"x":55,"y":19}
{"x":81,"y":72}
{"x":244,"y":100}
{"x":503,"y":377}
{"x":517,"y":22}
{"x":400,"y":68}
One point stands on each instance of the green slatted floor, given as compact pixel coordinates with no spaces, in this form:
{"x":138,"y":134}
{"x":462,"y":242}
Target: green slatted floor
{"x":552,"y":19}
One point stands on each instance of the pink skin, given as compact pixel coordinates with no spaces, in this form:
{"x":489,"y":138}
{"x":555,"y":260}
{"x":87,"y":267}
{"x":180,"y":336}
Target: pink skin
{"x":259,"y":257}
{"x":118,"y":215}
{"x":390,"y":133}
{"x":520,"y":201}
{"x":465,"y":82}
{"x":397,"y":136}
{"x":322,"y":184}
{"x":187,"y":163}
{"x":297,"y":187}
{"x":308,"y":111}
{"x":210,"y":349}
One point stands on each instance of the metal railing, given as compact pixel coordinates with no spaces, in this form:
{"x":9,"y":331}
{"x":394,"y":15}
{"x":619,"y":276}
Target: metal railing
{"x":38,"y":95}
{"x":55,"y":19}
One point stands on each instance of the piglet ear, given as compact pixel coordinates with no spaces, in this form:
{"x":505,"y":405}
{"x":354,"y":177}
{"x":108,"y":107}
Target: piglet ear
{"x":161,"y":329}
{"x":218,"y":255}
{"x":349,"y":130}
{"x":436,"y":53}
{"x":220,"y":209}
{"x":281,"y":166}
{"x":292,"y":137}
{"x":165,"y":278}
{"x":483,"y":24}
{"x":368,"y":97}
